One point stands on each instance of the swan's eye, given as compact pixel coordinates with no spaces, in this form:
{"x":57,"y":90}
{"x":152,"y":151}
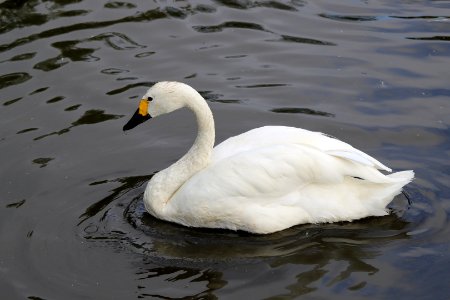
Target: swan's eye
{"x":149,"y":99}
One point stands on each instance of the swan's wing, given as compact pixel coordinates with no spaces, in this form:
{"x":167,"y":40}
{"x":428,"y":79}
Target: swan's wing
{"x":358,"y":156}
{"x":276,"y":135}
{"x":273,"y":171}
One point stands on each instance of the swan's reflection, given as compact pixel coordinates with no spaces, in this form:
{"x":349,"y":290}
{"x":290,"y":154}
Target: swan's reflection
{"x":335,"y":253}
{"x":192,"y":282}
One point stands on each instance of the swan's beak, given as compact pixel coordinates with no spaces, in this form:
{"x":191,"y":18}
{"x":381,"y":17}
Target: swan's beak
{"x":140,"y":116}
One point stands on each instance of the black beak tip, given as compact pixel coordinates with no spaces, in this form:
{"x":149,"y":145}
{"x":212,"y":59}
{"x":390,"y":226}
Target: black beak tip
{"x":127,"y":127}
{"x":135,"y":120}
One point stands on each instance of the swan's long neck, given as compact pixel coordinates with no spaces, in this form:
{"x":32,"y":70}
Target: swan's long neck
{"x":164,"y":184}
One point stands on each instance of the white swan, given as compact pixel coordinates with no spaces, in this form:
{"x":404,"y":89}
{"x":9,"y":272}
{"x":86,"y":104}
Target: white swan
{"x":264,"y":180}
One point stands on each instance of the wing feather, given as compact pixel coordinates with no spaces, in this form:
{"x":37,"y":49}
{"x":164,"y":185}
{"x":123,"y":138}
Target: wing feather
{"x":273,"y":171}
{"x":276,"y":135}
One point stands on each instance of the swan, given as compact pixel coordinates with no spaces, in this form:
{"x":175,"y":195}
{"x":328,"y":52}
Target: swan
{"x":264,"y":180}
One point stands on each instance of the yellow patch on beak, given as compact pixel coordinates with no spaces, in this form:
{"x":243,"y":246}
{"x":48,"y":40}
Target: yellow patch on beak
{"x":143,"y":107}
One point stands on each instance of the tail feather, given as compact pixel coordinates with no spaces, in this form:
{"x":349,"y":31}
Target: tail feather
{"x":407,"y":176}
{"x":401,"y":179}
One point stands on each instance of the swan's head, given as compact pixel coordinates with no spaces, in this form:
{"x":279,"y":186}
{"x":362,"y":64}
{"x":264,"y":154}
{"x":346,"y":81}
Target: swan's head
{"x":162,"y":98}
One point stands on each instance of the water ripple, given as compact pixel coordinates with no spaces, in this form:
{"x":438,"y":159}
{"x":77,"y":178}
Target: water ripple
{"x":129,"y":86}
{"x":27,"y":130}
{"x":303,"y":40}
{"x":257,"y":27}
{"x":13,"y":18}
{"x":432,"y":38}
{"x":13,"y":79}
{"x":262,"y":85}
{"x":117,"y":41}
{"x":42,"y":161}
{"x":19,"y":57}
{"x":147,"y":16}
{"x":350,"y":18}
{"x":247,"y":4}
{"x":298,"y":110}
{"x":119,"y":4}
{"x":90,"y":117}
{"x":230,"y":24}
{"x":12,"y":101}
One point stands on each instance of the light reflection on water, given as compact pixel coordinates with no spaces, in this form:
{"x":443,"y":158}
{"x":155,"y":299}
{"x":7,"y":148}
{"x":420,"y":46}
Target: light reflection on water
{"x":72,"y":223}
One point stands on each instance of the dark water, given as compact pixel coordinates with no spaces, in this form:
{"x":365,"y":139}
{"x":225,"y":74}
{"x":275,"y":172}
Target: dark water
{"x":72,"y":223}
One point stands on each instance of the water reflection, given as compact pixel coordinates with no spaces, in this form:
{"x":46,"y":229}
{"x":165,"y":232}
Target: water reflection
{"x":90,"y":117}
{"x":16,"y":204}
{"x":27,"y":130}
{"x":304,"y":40}
{"x":211,"y":96}
{"x":129,"y":86}
{"x":118,"y":4}
{"x":220,"y":27}
{"x":420,"y":51}
{"x":143,"y":16}
{"x":128,"y":183}
{"x":12,"y":101}
{"x":73,"y":107}
{"x":42,"y":161}
{"x":198,"y":284}
{"x":70,"y":50}
{"x":257,"y":27}
{"x":13,"y":79}
{"x":262,"y":85}
{"x":432,"y":38}
{"x":270,"y":4}
{"x":16,"y":14}
{"x":298,"y":110}
{"x":39,"y":90}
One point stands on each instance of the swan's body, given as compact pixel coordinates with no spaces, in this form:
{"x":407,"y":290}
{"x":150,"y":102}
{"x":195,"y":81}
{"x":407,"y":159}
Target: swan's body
{"x":264,"y":180}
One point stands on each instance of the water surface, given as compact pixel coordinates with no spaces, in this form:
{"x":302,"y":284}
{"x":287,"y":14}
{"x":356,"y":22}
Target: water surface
{"x":72,"y":223}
